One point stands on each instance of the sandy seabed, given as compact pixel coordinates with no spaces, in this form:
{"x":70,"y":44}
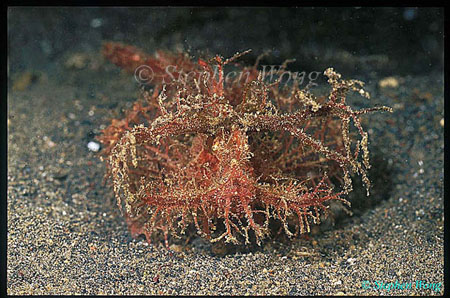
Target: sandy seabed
{"x":66,"y":235}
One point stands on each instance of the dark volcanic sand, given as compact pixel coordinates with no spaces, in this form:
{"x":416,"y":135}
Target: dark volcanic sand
{"x":66,"y":235}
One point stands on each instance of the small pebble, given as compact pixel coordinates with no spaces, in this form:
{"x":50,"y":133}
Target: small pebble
{"x":351,"y":261}
{"x":388,"y":82}
{"x":97,"y":22}
{"x":93,"y":146}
